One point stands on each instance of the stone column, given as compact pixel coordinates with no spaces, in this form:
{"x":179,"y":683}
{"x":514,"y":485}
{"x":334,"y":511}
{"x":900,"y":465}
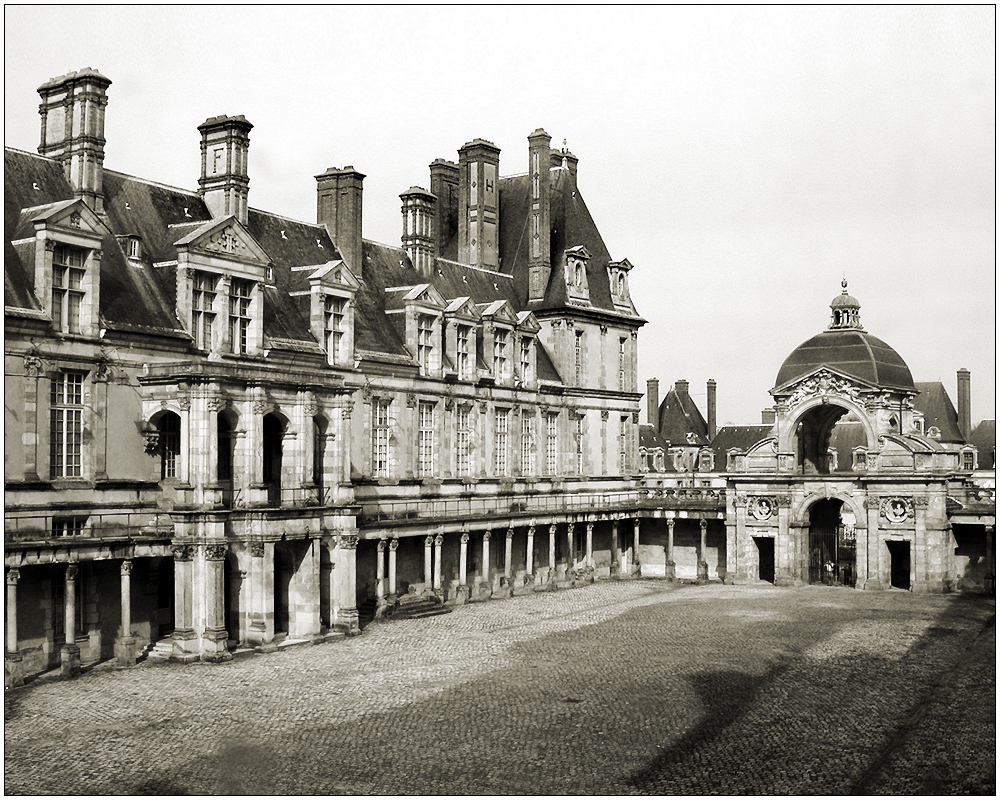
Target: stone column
{"x":380,"y":572}
{"x":529,"y":554}
{"x":874,"y":546}
{"x":333,"y":582}
{"x":571,"y":552}
{"x":393,"y":544}
{"x":13,"y":672}
{"x":215,"y":644}
{"x":552,"y":552}
{"x":509,"y":552}
{"x":702,"y":546}
{"x":70,"y":655}
{"x":438,"y":545}
{"x":637,"y":567}
{"x":429,"y":561}
{"x":590,"y":545}
{"x":670,"y":569}
{"x":486,"y":555}
{"x":257,"y":632}
{"x":616,"y":558}
{"x":463,"y":559}
{"x":184,"y":636}
{"x":125,"y":646}
{"x":349,"y":598}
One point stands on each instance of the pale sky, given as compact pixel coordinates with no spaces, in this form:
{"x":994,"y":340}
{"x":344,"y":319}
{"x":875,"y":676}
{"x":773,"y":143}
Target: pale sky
{"x":743,"y":159}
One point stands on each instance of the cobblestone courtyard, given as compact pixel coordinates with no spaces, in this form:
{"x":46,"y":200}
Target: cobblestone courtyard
{"x":615,"y":688}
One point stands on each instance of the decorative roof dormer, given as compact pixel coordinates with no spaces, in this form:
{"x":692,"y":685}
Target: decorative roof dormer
{"x":332,"y":288}
{"x":618,"y":279}
{"x":577,"y":284}
{"x":846,"y":311}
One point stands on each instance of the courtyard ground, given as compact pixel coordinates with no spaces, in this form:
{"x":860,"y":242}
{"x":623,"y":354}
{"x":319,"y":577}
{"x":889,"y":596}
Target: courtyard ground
{"x":632,"y":687}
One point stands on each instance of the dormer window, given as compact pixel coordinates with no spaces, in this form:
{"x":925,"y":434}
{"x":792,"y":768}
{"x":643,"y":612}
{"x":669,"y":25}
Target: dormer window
{"x":620,"y":285}
{"x":67,"y":288}
{"x":333,"y":327}
{"x":203,"y":309}
{"x":425,"y":346}
{"x":500,"y":355}
{"x":525,"y":359}
{"x":462,"y":357}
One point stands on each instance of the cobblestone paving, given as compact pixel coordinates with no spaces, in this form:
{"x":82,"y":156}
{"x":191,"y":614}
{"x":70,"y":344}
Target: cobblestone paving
{"x":615,"y":688}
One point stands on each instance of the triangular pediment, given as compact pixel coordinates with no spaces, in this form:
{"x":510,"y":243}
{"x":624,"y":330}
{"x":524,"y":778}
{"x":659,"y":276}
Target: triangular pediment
{"x":70,"y":215}
{"x":425,"y":294}
{"x":527,"y":322}
{"x":335,"y":274}
{"x":463,"y":307}
{"x":499,"y":311}
{"x":224,"y":238}
{"x":822,"y":381}
{"x":624,"y":264}
{"x":579,"y":252}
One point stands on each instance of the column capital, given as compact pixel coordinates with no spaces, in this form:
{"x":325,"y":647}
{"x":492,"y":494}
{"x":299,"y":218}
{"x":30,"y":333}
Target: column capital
{"x":465,"y":538}
{"x":381,"y":545}
{"x":126,"y":567}
{"x":71,"y":571}
{"x":670,"y":523}
{"x":552,"y":529}
{"x":216,"y":552}
{"x":182,"y":552}
{"x":510,"y":533}
{"x":429,"y":540}
{"x":703,"y":523}
{"x":393,"y":543}
{"x":257,"y":549}
{"x":349,"y":542}
{"x":487,"y":534}
{"x":13,"y":574}
{"x":439,"y":539}
{"x":531,"y":531}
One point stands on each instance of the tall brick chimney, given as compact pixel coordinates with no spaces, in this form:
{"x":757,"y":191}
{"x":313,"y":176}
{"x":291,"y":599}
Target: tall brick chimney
{"x":964,"y":403}
{"x":479,"y":204}
{"x":711,"y":409}
{"x":72,"y":111}
{"x":338,"y":206}
{"x":653,"y":403}
{"x":539,"y":230}
{"x":225,"y":182}
{"x":444,"y":186}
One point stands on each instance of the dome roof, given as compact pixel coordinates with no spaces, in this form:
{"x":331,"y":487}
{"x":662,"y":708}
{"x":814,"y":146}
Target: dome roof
{"x":850,"y":352}
{"x":844,"y":301}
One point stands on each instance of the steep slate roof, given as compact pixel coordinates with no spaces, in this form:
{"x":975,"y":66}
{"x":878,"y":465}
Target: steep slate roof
{"x":933,"y":402}
{"x":742,"y":437}
{"x":850,"y":352}
{"x":679,"y":416}
{"x":984,"y":437}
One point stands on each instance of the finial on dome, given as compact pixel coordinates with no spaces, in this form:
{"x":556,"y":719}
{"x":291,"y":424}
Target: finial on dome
{"x":844,"y":284}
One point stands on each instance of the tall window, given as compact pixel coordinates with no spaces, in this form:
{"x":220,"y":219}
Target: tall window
{"x":463,"y":435}
{"x":968,"y":461}
{"x":500,"y":442}
{"x":202,"y":309}
{"x":426,"y":442}
{"x":551,"y":445}
{"x":527,"y":456}
{"x":424,"y":341}
{"x":239,"y":314}
{"x":333,"y":326}
{"x":464,"y":372}
{"x":500,"y":355}
{"x":67,"y":288}
{"x":525,"y":359}
{"x":623,"y":445}
{"x":578,"y":358}
{"x":170,"y":444}
{"x":66,"y":431}
{"x":227,"y":445}
{"x":380,"y":438}
{"x":621,"y":365}
{"x":579,"y":445}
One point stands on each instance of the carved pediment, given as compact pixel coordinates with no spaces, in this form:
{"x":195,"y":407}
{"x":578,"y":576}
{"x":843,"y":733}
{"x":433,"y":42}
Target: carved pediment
{"x":425,"y":294}
{"x":70,"y":216}
{"x":528,"y":323}
{"x":499,"y":311}
{"x":463,"y":307}
{"x":335,"y":274}
{"x":225,"y":238}
{"x":820,"y":383}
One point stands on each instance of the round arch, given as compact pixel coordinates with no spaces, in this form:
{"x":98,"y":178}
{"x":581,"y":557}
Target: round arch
{"x":800,"y":511}
{"x":787,"y":433}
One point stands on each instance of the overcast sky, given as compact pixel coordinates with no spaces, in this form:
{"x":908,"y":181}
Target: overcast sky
{"x":743,"y":159}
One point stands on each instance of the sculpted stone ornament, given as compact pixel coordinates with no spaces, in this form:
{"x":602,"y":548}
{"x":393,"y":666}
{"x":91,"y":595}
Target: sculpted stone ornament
{"x":761,"y":507}
{"x":216,"y":552}
{"x":184,"y":403}
{"x":257,"y":549}
{"x":449,"y":404}
{"x":411,"y":400}
{"x":896,"y":509}
{"x":32,"y":366}
{"x":822,"y":383}
{"x":182,"y":552}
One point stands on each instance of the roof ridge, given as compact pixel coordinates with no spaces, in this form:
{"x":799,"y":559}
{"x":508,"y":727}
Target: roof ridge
{"x":29,"y":153}
{"x":287,"y":219}
{"x":148,"y":182}
{"x":477,"y":269}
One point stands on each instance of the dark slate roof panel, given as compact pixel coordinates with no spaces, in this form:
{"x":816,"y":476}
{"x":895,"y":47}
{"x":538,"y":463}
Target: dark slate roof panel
{"x":18,"y":276}
{"x":984,"y":437}
{"x":850,"y":352}
{"x":29,"y":181}
{"x":650,"y":439}
{"x":741,"y":437}
{"x":679,"y":416}
{"x":933,"y":402}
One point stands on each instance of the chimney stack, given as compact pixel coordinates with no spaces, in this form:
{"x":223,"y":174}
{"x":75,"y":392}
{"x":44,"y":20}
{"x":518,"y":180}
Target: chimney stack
{"x":964,"y":403}
{"x":539,"y":229}
{"x":767,"y":416}
{"x":72,"y":112}
{"x":711,"y":409}
{"x":418,"y":228}
{"x":225,"y":184}
{"x":338,"y":206}
{"x":681,"y":387}
{"x":653,"y":403}
{"x":444,"y":186}
{"x":479,"y":204}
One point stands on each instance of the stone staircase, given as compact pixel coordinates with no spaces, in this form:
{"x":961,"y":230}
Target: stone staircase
{"x":414,"y":607}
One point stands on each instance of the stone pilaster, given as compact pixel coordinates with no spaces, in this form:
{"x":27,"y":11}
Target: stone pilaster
{"x":590,"y":545}
{"x":615,"y":549}
{"x":486,"y":555}
{"x":393,"y":544}
{"x":347,"y":567}
{"x":438,"y":546}
{"x":508,"y":553}
{"x":215,"y":636}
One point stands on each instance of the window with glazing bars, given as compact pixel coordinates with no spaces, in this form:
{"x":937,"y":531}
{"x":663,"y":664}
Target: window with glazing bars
{"x":462,"y":356}
{"x":380,"y":438}
{"x":500,"y":355}
{"x":67,"y":288}
{"x":525,"y":359}
{"x":621,"y":365}
{"x":425,"y":448}
{"x":579,"y":445}
{"x":333,"y":325}
{"x":623,"y":445}
{"x":551,"y":442}
{"x":202,"y":309}
{"x":170,"y":441}
{"x":425,"y":344}
{"x":500,"y":442}
{"x":527,"y":456}
{"x":66,"y":429}
{"x":239,"y":314}
{"x":462,"y":437}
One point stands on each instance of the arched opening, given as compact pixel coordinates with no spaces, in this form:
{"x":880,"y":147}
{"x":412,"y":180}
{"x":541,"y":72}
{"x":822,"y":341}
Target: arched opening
{"x":284,"y":569}
{"x":832,"y":544}
{"x":320,"y":425}
{"x":274,"y":432}
{"x":233,"y":585}
{"x":825,"y":438}
{"x":169,"y":429}
{"x":224,"y":466}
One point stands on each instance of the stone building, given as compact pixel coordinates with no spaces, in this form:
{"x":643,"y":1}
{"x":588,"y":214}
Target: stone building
{"x":225,"y":428}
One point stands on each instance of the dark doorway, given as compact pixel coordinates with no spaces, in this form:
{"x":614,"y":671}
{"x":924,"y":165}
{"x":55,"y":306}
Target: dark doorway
{"x":227,"y":445}
{"x":233,"y":583}
{"x":765,"y":557}
{"x":284,"y":568}
{"x":899,"y":565}
{"x":832,"y":546}
{"x":274,"y":431}
{"x":164,"y":597}
{"x":319,"y":456}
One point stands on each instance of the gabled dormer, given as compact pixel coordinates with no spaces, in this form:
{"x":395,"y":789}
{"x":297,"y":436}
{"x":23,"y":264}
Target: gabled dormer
{"x":618,"y":281}
{"x":461,"y":331}
{"x":332,"y":288}
{"x":68,"y":265}
{"x":498,"y":323}
{"x":423,"y":308}
{"x":526,"y":334}
{"x":577,"y":285}
{"x":221,"y":270}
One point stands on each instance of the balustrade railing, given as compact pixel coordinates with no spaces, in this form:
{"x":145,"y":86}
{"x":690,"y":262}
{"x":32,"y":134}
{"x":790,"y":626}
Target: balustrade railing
{"x":83,"y":525}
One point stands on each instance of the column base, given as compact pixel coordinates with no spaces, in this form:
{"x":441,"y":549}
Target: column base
{"x":348,"y":618}
{"x":70,"y":660}
{"x":13,"y":670}
{"x":873,"y":584}
{"x":125,"y":647}
{"x":702,"y":572}
{"x":670,"y":571}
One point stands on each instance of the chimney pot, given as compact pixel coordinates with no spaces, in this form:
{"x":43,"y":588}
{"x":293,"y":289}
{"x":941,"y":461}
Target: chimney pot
{"x":653,"y":403}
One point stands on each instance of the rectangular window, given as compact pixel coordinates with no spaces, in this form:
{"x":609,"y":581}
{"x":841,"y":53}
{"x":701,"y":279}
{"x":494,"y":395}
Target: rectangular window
{"x":68,"y":526}
{"x":551,"y":443}
{"x":527,"y":456}
{"x":621,"y":365}
{"x":202,"y":309}
{"x":500,"y":442}
{"x":623,"y":445}
{"x":67,"y":288}
{"x":66,"y":430}
{"x":239,"y":314}
{"x":579,"y":445}
{"x":463,"y":436}
{"x":578,"y":358}
{"x":500,"y":355}
{"x":462,"y":357}
{"x":170,"y":444}
{"x":425,"y":445}
{"x":380,"y":438}
{"x":525,"y":359}
{"x":424,"y":342}
{"x":968,"y":461}
{"x":333,"y":326}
